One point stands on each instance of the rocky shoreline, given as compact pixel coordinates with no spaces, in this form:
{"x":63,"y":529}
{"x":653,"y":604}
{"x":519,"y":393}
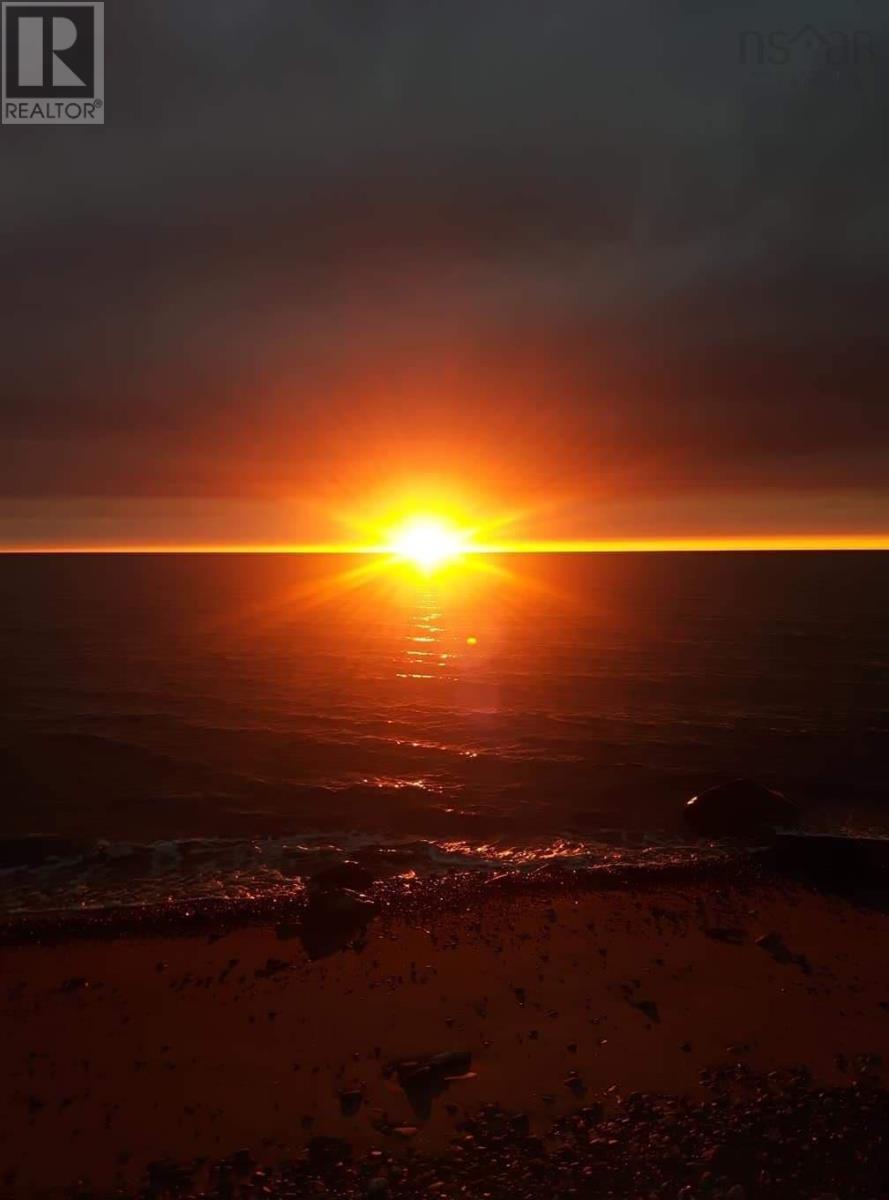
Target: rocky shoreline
{"x":721,"y":1036}
{"x":752,"y":1137}
{"x":409,"y":896}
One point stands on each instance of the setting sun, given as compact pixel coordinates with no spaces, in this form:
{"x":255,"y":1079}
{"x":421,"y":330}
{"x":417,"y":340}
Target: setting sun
{"x":428,"y":542}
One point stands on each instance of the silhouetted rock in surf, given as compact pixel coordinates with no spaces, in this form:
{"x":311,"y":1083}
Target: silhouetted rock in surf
{"x":742,"y":808}
{"x":347,"y":874}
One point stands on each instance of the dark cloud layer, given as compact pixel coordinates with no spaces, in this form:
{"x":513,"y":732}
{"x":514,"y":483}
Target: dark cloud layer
{"x":590,"y":234}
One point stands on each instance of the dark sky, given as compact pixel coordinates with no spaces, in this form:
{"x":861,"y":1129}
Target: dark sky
{"x":571,"y":258}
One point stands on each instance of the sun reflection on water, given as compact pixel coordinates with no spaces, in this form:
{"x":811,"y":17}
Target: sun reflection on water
{"x":425,"y":652}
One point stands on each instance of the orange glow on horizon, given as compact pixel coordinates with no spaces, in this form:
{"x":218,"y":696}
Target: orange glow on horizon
{"x":429,"y":520}
{"x":750,"y":542}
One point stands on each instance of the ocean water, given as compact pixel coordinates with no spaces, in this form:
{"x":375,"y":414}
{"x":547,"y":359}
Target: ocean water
{"x":218,"y":726}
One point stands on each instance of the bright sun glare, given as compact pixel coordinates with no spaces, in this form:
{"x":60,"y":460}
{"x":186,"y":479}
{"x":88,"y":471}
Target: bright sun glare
{"x":427,"y":541}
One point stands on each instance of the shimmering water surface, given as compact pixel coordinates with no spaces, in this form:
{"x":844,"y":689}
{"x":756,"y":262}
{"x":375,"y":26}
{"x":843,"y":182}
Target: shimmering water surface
{"x":214,"y":725}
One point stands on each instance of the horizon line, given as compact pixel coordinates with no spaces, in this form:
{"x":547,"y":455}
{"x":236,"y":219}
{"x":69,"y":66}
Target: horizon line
{"x":767,"y":542}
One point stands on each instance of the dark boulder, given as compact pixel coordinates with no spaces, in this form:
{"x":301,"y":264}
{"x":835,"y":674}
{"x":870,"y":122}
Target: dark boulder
{"x":346,"y":874}
{"x":333,"y":921}
{"x":742,"y":808}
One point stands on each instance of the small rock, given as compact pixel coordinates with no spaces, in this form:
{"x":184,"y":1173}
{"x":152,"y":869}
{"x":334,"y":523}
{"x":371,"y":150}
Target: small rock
{"x":351,"y":1101}
{"x":273,"y":966}
{"x":649,"y":1008}
{"x":452,"y":1062}
{"x":775,"y":945}
{"x":74,"y":984}
{"x":734,"y":937}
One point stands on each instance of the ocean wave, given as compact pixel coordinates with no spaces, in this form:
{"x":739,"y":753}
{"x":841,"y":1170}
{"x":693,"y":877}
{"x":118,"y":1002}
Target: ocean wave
{"x":55,"y":875}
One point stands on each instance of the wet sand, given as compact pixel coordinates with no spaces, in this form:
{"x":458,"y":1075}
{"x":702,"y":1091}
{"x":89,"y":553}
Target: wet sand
{"x":124,"y":1052}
